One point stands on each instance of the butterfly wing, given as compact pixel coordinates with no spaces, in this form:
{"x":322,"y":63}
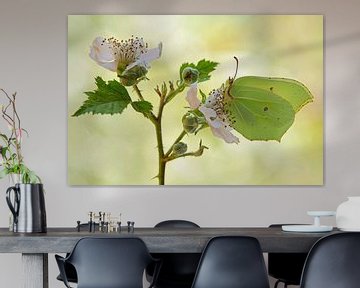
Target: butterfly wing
{"x":291,"y":90}
{"x":258,"y":114}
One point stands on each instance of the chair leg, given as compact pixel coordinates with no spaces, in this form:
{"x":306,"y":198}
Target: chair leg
{"x":278,"y":282}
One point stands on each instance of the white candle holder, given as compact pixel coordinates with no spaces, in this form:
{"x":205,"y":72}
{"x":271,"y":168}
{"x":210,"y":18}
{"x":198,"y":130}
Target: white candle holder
{"x":315,"y":227}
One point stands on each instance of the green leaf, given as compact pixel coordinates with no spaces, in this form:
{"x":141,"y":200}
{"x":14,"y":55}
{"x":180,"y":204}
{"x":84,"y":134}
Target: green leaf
{"x":26,"y":132}
{"x":32,"y":177}
{"x":293,"y":91}
{"x":4,"y":173}
{"x":13,"y":157}
{"x":203,"y":96}
{"x":28,"y":176}
{"x":144,"y":107}
{"x":205,"y":67}
{"x":108,"y":98}
{"x":258,"y":114}
{"x":4,"y":137}
{"x":3,"y":151}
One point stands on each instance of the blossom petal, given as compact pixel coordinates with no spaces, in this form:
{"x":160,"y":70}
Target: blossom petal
{"x":210,"y":116}
{"x":192,"y":98}
{"x":225,"y":134}
{"x":217,"y":123}
{"x":217,"y":127}
{"x":103,"y":54}
{"x":147,"y":57}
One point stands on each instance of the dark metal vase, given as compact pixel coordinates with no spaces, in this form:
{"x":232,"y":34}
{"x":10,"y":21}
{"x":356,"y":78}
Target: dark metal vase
{"x":27,"y":207}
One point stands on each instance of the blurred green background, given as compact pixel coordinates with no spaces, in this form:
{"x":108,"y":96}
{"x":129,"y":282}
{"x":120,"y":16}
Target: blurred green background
{"x":121,"y":149}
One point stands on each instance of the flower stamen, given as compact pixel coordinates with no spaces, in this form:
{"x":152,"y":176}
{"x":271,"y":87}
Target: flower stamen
{"x":129,"y":58}
{"x":215,"y":112}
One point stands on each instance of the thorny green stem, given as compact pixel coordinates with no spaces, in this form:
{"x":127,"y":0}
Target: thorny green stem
{"x":162,"y":163}
{"x":157,"y":121}
{"x":173,"y":93}
{"x":196,"y":153}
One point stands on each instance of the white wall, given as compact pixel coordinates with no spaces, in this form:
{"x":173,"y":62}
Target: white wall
{"x":33,"y":62}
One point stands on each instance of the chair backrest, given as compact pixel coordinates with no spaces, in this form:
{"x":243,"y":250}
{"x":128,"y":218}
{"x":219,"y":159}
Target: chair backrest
{"x":333,"y":262}
{"x":287,"y":267}
{"x":176,"y":224}
{"x":232,"y":262}
{"x":110,"y":262}
{"x":178,"y":269}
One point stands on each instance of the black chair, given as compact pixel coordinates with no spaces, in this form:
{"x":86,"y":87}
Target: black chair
{"x":286,"y":267}
{"x":178,"y":269}
{"x":176,"y":224}
{"x":232,"y":262}
{"x":333,"y":262}
{"x":108,"y":263}
{"x":70,"y":271}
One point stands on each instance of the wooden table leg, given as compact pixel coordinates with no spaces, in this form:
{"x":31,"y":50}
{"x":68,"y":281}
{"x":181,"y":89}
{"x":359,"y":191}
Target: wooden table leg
{"x":35,"y":270}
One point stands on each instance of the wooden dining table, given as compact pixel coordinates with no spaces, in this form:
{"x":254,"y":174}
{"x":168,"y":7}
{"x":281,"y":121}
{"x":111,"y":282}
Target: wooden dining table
{"x":35,"y":247}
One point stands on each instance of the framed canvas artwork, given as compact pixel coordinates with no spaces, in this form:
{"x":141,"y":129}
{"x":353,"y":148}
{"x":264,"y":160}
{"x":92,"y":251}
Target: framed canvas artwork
{"x":195,"y":99}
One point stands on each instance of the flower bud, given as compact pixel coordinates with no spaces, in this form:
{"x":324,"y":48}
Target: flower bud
{"x":133,"y":75}
{"x":190,"y":75}
{"x":190,"y":123}
{"x":179,"y":148}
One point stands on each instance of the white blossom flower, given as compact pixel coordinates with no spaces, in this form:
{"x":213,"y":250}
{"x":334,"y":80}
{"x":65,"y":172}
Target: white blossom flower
{"x":192,"y":98}
{"x":213,"y":110}
{"x":119,"y":56}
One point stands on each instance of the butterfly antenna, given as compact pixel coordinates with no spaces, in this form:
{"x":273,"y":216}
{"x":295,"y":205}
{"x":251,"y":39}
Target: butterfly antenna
{"x":237,"y":65}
